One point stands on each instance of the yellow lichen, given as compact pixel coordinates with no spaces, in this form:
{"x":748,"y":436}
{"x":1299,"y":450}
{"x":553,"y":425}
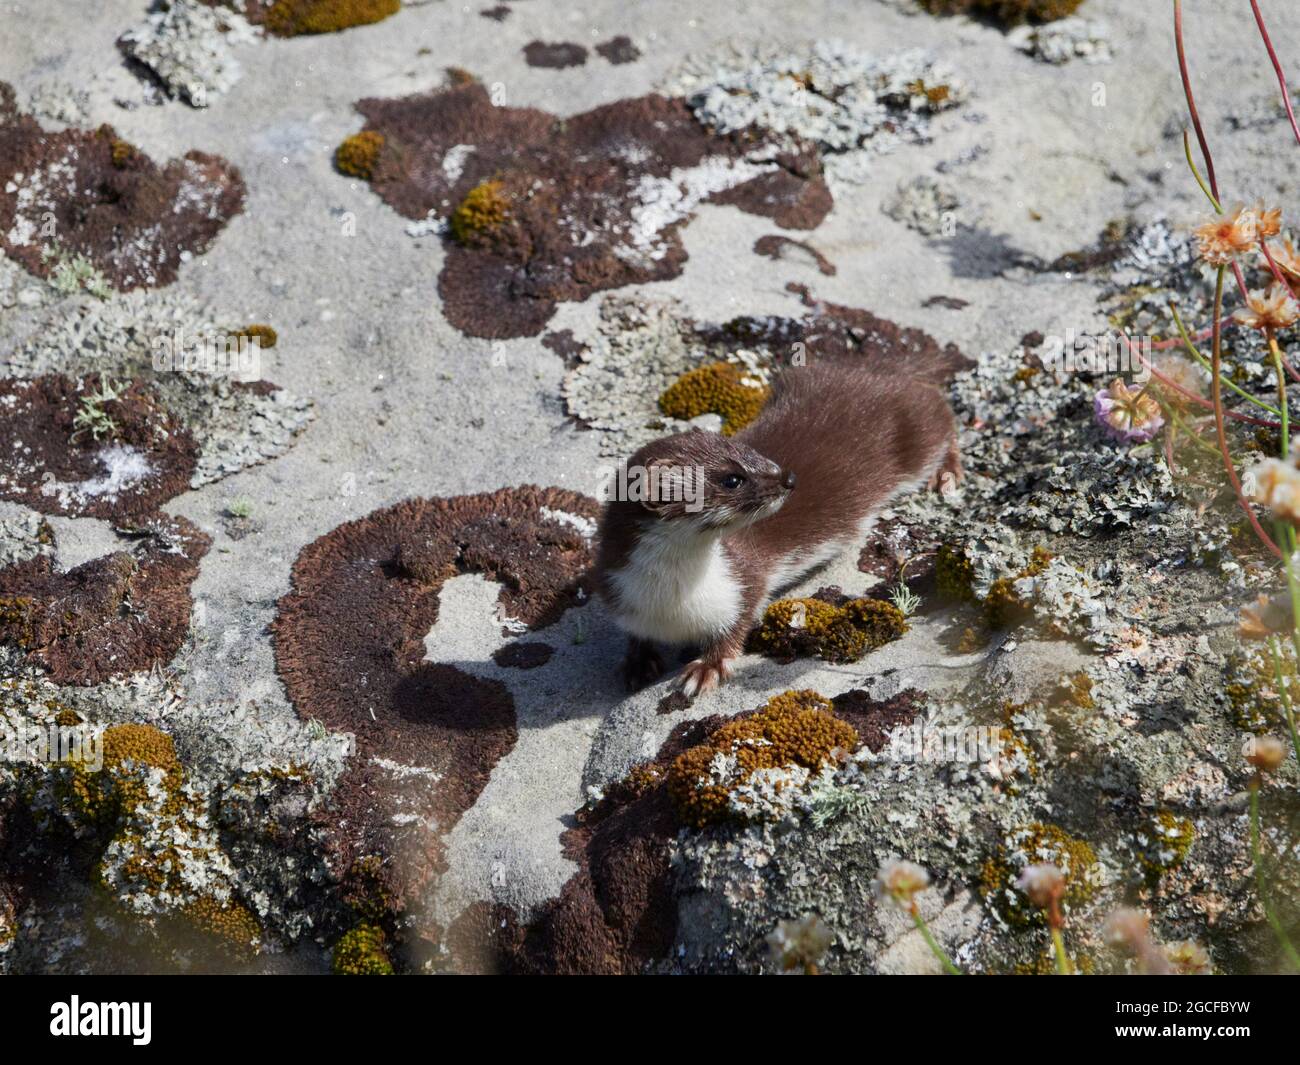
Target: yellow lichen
{"x":361,"y":952}
{"x":795,"y":728}
{"x":835,"y":633}
{"x":1163,"y":847}
{"x":357,"y":155}
{"x":954,"y":573}
{"x":482,"y":211}
{"x":1033,"y":845}
{"x":292,"y":18}
{"x":122,"y":153}
{"x":722,"y":388}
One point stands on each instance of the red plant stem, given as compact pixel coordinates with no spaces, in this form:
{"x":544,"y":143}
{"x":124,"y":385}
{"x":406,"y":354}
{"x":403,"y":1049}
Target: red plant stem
{"x":1221,"y":429}
{"x":1277,"y":69}
{"x":1191,"y":100}
{"x":1192,"y":397}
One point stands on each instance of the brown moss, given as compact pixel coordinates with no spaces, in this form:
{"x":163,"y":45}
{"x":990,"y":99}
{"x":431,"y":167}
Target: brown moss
{"x":795,"y":728}
{"x":480,"y":213}
{"x":1007,"y":12}
{"x":230,"y":922}
{"x":357,"y":155}
{"x":722,"y":388}
{"x":262,"y":335}
{"x":293,"y":18}
{"x":835,"y":632}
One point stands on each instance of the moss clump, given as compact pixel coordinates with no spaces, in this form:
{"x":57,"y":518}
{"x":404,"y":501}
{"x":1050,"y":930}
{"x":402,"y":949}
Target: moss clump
{"x":117,"y":789}
{"x":481,"y":212}
{"x":1163,"y":847}
{"x":1003,"y":606}
{"x":794,"y":628}
{"x":122,"y":153}
{"x":722,"y":388}
{"x":18,"y":621}
{"x":954,"y":573}
{"x":293,"y":18}
{"x":1007,"y":12}
{"x":357,"y":155}
{"x":795,"y":728}
{"x":361,"y":953}
{"x":261,"y":335}
{"x":1045,"y":965}
{"x":230,"y":922}
{"x":1032,"y":845}
{"x":1252,"y":693}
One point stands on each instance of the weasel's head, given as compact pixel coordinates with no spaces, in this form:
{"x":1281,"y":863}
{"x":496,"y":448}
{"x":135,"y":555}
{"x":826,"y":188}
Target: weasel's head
{"x":705,"y":480}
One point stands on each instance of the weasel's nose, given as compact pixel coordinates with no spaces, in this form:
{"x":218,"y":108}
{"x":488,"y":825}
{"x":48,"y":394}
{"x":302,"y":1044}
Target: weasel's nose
{"x":787,"y":481}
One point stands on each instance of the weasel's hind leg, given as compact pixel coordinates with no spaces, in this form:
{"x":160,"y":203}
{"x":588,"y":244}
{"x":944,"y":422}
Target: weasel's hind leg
{"x":948,"y":474}
{"x":643,"y":664}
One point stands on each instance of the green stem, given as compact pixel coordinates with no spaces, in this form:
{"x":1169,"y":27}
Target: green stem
{"x":1286,"y":698}
{"x":932,"y":943}
{"x":1283,"y":413}
{"x":1187,"y":148}
{"x":1063,"y":966}
{"x":1272,"y":918}
{"x":1205,"y":364}
{"x":1188,"y":431}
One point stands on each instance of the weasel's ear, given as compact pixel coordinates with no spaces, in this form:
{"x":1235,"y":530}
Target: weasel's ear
{"x":668,"y":490}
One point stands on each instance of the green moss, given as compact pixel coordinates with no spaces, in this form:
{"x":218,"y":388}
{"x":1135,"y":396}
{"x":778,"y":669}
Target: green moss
{"x":292,"y":18}
{"x":357,"y":155}
{"x":1035,"y":844}
{"x":361,"y":952}
{"x":793,"y":628}
{"x":795,"y":728}
{"x":480,"y":213}
{"x":1007,"y":12}
{"x":722,"y":388}
{"x":1163,"y":847}
{"x":954,"y":574}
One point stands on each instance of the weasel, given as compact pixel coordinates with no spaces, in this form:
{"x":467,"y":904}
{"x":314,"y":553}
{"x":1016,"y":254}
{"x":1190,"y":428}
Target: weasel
{"x":719,"y":525}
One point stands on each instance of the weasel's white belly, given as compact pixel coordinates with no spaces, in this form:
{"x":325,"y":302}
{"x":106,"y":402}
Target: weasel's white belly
{"x":676,"y":591}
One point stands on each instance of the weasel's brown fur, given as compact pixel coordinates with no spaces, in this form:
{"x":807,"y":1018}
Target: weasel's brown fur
{"x":837,"y":441}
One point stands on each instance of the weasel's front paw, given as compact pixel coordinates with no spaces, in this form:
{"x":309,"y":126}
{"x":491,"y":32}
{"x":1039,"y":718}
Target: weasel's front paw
{"x":642,"y":666}
{"x":949,"y":474}
{"x":704,"y":674}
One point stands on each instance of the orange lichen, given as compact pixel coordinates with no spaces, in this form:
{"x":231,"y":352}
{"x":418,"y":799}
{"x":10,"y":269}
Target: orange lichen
{"x":357,"y":155}
{"x":795,"y":728}
{"x":722,"y":388}
{"x":292,"y":18}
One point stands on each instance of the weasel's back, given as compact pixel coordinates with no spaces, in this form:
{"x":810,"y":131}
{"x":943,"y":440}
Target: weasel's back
{"x":853,"y":434}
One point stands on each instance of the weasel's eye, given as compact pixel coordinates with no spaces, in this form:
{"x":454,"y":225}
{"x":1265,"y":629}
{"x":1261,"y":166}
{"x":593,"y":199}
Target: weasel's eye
{"x":732,"y":480}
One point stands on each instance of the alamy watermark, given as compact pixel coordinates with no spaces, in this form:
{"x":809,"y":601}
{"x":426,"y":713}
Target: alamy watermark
{"x":658,"y":483}
{"x":53,"y":743}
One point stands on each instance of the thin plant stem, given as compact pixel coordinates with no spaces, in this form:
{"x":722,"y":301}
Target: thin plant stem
{"x":1216,"y":390}
{"x":1191,"y":103}
{"x":1196,"y":173}
{"x":933,"y":943}
{"x":1255,"y":858}
{"x":1192,"y":397}
{"x":1195,"y":353}
{"x":1285,"y":696}
{"x":1277,"y":69}
{"x":1063,"y":966}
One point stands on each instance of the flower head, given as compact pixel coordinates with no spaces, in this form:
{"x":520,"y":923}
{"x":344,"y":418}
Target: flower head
{"x":1268,"y":222}
{"x":1188,"y":958}
{"x":1276,"y":484}
{"x":1287,"y":259}
{"x":1127,"y":929}
{"x":1042,"y":884}
{"x":899,"y":881}
{"x":1265,"y":753}
{"x":1265,"y":618}
{"x":799,"y":944}
{"x":1275,"y":309}
{"x":1220,"y":240}
{"x":1127,"y":414}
